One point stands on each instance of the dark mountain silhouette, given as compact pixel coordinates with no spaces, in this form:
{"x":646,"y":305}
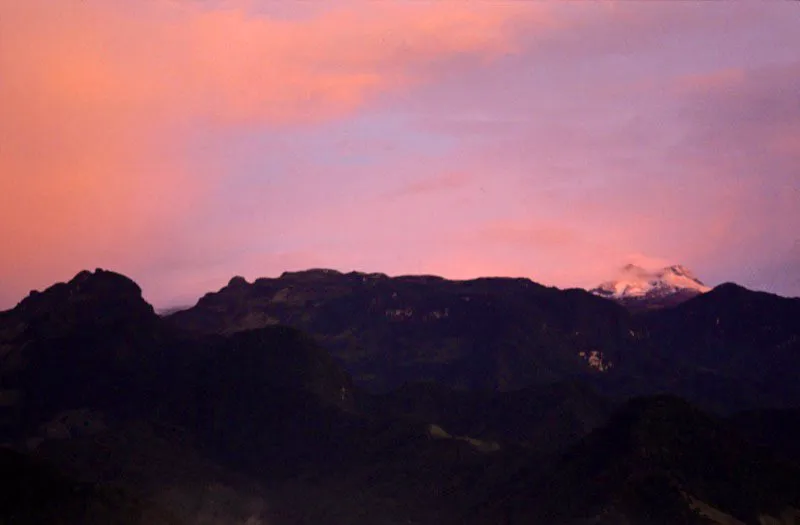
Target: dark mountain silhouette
{"x":736,"y":342}
{"x":114,"y":395}
{"x":507,"y":334}
{"x":92,"y":341}
{"x":226,"y":413}
{"x":493,"y":333}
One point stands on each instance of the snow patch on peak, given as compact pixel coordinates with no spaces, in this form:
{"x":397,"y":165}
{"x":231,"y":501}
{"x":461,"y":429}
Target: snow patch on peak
{"x":636,"y":282}
{"x":680,"y":277}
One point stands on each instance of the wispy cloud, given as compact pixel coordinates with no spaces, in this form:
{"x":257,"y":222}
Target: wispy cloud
{"x":542,"y":236}
{"x":715,"y":81}
{"x":101,"y":99}
{"x":440,"y":183}
{"x":197,"y":139}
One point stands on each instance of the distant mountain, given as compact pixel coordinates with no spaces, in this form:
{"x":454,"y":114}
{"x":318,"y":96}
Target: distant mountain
{"x":639,"y":289}
{"x":171,"y":310}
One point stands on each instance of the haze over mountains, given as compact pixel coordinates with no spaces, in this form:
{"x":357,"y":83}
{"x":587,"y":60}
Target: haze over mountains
{"x":329,"y":398}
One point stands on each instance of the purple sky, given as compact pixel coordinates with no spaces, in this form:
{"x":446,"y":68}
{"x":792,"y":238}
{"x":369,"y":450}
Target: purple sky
{"x":183,"y":142}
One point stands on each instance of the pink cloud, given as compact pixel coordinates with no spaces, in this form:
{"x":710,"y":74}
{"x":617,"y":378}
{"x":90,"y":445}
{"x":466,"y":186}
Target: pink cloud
{"x":723,"y":79}
{"x":539,"y":236}
{"x":98,"y":97}
{"x":574,"y":138}
{"x":228,"y":63}
{"x":439,"y":183}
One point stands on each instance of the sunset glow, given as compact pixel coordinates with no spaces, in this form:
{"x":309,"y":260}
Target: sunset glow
{"x":183,"y":142}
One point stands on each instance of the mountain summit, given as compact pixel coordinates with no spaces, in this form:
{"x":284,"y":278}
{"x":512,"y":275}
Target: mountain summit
{"x":640,"y":289}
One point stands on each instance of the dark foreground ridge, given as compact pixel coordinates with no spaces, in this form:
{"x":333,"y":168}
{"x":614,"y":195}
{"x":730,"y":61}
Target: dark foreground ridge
{"x":235,"y":412}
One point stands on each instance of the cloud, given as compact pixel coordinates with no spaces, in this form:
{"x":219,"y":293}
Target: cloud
{"x":180,"y":141}
{"x":102,"y":100}
{"x":544,"y":236}
{"x":723,"y":79}
{"x":738,"y":141}
{"x":658,"y":138}
{"x":782,"y":273}
{"x":439,"y":183}
{"x":756,"y":109}
{"x":647,"y":262}
{"x":228,"y":63}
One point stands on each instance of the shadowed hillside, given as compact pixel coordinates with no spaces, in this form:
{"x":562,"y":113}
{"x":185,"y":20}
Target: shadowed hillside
{"x":118,"y":415}
{"x":727,"y":350}
{"x":657,"y":461}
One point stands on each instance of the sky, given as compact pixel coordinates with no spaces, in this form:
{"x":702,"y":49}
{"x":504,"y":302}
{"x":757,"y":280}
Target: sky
{"x":182,"y":142}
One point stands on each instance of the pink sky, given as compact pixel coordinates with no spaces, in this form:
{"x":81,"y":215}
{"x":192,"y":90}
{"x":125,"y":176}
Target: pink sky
{"x":182,"y":142}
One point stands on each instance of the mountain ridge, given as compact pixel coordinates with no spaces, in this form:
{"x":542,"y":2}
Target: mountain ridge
{"x":511,"y":333}
{"x":237,"y":416}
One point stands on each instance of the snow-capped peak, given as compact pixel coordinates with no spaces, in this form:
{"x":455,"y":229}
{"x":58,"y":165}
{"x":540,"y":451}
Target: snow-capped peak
{"x":636,"y":282}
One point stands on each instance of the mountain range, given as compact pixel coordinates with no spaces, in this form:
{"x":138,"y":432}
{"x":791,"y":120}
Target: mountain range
{"x":502,"y":334}
{"x":331,"y":398}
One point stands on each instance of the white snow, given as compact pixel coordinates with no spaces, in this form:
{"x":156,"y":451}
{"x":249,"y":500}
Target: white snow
{"x":635,"y":281}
